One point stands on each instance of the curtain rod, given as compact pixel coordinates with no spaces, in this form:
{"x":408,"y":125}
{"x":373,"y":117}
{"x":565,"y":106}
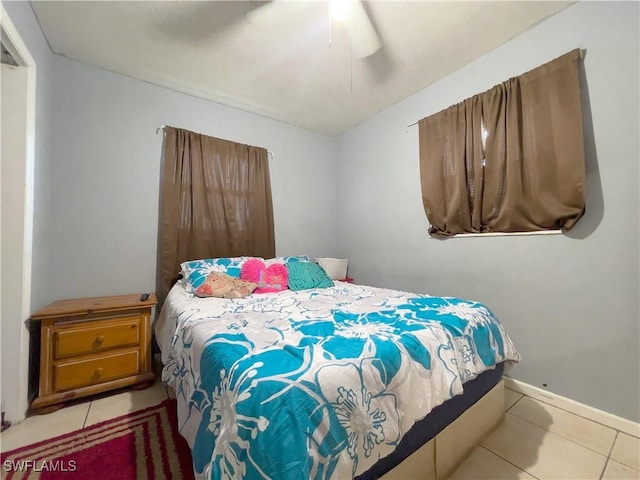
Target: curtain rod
{"x":162,"y":127}
{"x":583,"y":53}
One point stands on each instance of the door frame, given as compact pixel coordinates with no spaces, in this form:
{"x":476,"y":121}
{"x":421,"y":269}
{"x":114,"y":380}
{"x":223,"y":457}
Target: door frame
{"x":18,"y":411}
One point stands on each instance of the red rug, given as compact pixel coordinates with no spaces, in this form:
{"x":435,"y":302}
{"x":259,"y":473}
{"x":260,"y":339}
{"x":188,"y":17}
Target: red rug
{"x":143,"y":445}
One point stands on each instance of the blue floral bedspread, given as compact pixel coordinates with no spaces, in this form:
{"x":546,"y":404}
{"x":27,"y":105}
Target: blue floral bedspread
{"x":316,"y":383}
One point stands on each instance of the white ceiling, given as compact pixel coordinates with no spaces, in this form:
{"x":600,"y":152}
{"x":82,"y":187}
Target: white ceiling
{"x":287,"y":60}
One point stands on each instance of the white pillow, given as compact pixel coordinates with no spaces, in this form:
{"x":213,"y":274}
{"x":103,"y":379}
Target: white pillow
{"x":336,"y":268}
{"x":286,"y":260}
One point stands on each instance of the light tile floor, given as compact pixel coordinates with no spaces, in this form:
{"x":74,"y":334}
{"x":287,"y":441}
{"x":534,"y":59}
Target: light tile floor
{"x":40,"y":427}
{"x":536,"y":440}
{"x":540,"y":441}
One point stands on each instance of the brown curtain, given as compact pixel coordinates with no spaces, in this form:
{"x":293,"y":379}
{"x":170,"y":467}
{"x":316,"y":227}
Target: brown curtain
{"x":510,"y":159}
{"x":215,"y":202}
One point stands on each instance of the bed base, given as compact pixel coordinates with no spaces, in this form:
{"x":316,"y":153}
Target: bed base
{"x":438,"y":458}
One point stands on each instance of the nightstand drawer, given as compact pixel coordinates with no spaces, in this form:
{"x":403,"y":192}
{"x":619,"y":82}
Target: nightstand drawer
{"x":83,"y":339}
{"x":87,"y":372}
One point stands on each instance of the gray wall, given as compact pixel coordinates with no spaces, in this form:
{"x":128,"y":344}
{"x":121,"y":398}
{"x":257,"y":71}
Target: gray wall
{"x":105,"y":184}
{"x":569,"y":301}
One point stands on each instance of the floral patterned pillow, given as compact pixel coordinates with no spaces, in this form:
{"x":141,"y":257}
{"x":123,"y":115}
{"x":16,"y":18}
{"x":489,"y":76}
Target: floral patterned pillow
{"x":222,"y":285}
{"x":195,"y":272}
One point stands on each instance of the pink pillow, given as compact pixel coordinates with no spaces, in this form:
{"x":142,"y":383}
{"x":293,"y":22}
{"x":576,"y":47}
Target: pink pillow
{"x":271,"y":279}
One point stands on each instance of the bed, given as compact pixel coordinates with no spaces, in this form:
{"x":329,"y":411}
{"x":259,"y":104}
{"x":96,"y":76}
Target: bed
{"x":337,"y":382}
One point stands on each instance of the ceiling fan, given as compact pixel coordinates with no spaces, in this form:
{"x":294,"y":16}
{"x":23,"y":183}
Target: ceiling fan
{"x":351,"y":14}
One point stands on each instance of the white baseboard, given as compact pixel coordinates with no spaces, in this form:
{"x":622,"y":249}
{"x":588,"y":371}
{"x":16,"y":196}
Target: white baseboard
{"x":608,"y":419}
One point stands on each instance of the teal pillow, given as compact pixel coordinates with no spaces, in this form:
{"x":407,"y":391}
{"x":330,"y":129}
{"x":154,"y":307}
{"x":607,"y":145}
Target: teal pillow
{"x":304,"y":275}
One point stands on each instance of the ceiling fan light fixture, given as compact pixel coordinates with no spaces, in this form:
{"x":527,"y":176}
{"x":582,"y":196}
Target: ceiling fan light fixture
{"x":340,"y":10}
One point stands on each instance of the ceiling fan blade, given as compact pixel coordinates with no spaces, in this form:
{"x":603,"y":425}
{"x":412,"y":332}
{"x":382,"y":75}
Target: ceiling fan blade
{"x":265,"y":13}
{"x":363,"y":37}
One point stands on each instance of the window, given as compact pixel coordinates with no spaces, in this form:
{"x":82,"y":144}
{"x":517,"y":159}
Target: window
{"x":510,"y":159}
{"x":215,"y":202}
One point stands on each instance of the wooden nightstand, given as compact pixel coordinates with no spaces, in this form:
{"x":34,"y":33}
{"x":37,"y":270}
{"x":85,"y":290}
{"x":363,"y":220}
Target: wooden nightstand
{"x":92,"y":345}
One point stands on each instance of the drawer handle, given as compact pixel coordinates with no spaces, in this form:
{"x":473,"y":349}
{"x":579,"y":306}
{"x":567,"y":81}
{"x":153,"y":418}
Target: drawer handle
{"x":99,"y":339}
{"x":99,"y":371}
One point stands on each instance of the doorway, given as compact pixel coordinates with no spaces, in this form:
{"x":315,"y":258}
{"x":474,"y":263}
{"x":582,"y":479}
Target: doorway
{"x":17,"y":129}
